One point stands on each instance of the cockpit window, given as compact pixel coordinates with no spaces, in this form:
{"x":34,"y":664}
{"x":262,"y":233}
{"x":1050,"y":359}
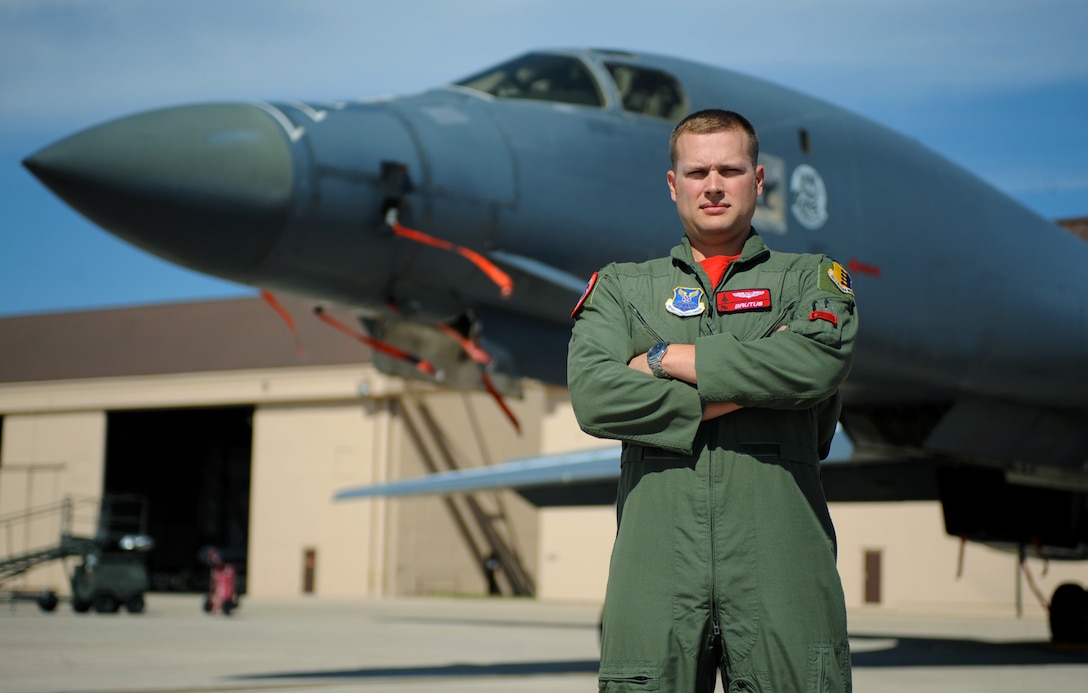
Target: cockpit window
{"x":649,"y":92}
{"x":540,"y":77}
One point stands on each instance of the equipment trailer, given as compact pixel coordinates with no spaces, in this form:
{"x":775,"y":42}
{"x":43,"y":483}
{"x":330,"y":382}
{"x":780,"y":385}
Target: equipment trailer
{"x":112,"y":571}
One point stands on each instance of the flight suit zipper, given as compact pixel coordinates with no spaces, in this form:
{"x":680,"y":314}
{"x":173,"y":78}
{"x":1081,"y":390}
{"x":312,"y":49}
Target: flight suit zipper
{"x":711,"y":553}
{"x":711,"y":326}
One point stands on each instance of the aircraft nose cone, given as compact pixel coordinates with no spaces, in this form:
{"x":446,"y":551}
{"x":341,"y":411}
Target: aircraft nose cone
{"x":205,"y":186}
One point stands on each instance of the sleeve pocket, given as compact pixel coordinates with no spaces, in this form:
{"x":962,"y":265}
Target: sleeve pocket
{"x":823,"y":323}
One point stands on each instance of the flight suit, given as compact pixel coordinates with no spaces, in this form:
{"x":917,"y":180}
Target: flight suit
{"x":725,"y":551}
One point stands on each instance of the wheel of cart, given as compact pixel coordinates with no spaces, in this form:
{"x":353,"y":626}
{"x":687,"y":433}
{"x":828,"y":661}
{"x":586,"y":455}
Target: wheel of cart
{"x":47,"y":601}
{"x":135,"y":604}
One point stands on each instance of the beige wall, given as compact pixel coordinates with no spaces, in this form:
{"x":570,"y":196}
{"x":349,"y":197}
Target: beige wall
{"x":45,"y":458}
{"x":559,"y":429}
{"x":920,"y":564}
{"x":575,"y":548}
{"x":575,"y":542}
{"x":301,"y":455}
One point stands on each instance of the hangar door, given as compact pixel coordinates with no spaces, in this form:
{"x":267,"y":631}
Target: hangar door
{"x":193,"y":468}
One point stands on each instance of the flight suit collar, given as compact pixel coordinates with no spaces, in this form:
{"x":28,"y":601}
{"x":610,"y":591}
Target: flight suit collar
{"x":754,"y":249}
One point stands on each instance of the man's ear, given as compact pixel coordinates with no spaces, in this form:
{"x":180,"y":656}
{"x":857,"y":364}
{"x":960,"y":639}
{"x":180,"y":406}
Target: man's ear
{"x":671,"y":178}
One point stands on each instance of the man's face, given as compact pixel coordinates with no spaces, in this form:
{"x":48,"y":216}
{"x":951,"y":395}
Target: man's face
{"x":715,"y":186}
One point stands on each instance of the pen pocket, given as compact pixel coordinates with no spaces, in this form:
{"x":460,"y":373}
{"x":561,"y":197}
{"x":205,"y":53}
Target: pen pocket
{"x":650,"y":331}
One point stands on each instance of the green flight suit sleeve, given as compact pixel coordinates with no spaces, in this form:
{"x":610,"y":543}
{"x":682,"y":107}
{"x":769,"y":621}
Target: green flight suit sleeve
{"x":793,"y":369}
{"x":610,"y":399}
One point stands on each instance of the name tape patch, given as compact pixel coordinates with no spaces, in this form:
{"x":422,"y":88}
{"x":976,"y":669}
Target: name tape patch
{"x":743,"y":299}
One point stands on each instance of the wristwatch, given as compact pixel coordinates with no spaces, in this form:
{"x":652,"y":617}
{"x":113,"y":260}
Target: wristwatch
{"x":654,"y":356}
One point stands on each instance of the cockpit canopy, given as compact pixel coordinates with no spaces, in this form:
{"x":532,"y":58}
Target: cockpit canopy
{"x":566,"y":79}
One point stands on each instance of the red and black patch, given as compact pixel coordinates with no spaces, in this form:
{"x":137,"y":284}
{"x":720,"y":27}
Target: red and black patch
{"x":824,"y":315}
{"x":742,"y":300}
{"x":585,"y":295}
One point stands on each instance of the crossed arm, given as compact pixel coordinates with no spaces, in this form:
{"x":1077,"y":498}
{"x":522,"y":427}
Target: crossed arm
{"x":679,"y":362}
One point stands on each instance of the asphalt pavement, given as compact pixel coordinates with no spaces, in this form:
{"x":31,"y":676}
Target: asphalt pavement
{"x":450,"y":644}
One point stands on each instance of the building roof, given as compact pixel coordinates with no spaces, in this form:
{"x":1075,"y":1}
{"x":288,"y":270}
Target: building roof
{"x":1079,"y":226}
{"x":170,"y":338}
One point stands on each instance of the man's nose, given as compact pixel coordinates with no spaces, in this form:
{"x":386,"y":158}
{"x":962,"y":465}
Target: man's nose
{"x":715,"y":183}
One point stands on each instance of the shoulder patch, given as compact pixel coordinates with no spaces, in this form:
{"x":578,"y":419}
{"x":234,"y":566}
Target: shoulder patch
{"x":585,"y":296}
{"x":834,"y":277}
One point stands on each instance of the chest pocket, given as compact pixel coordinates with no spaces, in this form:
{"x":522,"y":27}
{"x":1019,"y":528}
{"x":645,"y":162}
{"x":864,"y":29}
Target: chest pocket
{"x":735,"y":316}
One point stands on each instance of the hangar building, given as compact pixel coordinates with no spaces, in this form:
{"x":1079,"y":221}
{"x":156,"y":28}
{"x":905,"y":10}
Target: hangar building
{"x":238,"y":438}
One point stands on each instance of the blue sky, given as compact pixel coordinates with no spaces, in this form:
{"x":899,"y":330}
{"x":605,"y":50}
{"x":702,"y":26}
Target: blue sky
{"x":998,"y":86}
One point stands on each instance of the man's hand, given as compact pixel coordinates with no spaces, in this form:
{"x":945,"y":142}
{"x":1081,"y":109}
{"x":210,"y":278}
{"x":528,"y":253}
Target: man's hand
{"x":712,"y":410}
{"x":641,"y":364}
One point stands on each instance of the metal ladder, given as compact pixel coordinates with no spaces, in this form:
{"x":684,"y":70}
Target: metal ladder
{"x":494,"y":527}
{"x":13,"y":564}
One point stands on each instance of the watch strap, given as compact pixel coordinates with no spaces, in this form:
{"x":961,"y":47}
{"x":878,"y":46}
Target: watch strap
{"x":654,"y":356}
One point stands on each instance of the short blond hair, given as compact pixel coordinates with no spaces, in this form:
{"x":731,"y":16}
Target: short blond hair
{"x":713,"y":120}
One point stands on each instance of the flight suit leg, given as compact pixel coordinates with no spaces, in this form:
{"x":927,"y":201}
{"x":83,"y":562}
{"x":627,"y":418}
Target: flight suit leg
{"x":656,"y":634}
{"x":799,"y":612}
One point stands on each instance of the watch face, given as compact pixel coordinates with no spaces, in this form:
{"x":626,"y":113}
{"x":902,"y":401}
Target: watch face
{"x":653,"y":358}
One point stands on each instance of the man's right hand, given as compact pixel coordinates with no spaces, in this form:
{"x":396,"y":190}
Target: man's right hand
{"x":712,"y":410}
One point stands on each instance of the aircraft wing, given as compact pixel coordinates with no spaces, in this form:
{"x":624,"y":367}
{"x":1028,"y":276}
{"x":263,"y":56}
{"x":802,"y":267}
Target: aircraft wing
{"x":586,"y":477}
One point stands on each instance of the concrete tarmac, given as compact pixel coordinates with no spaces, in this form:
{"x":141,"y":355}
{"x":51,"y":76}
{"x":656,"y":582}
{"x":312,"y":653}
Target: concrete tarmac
{"x":448,"y":645}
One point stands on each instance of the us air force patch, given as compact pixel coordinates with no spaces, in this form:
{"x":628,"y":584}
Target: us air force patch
{"x":834,"y":277}
{"x":685,"y":302}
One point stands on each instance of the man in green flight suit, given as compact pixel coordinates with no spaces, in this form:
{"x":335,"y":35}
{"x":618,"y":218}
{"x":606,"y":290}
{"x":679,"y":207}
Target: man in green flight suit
{"x":718,"y":367}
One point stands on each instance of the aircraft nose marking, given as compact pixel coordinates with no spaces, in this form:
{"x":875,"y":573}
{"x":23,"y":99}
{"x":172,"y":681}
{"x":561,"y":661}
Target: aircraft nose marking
{"x":858,"y":267}
{"x":293,"y":132}
{"x":309,"y":111}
